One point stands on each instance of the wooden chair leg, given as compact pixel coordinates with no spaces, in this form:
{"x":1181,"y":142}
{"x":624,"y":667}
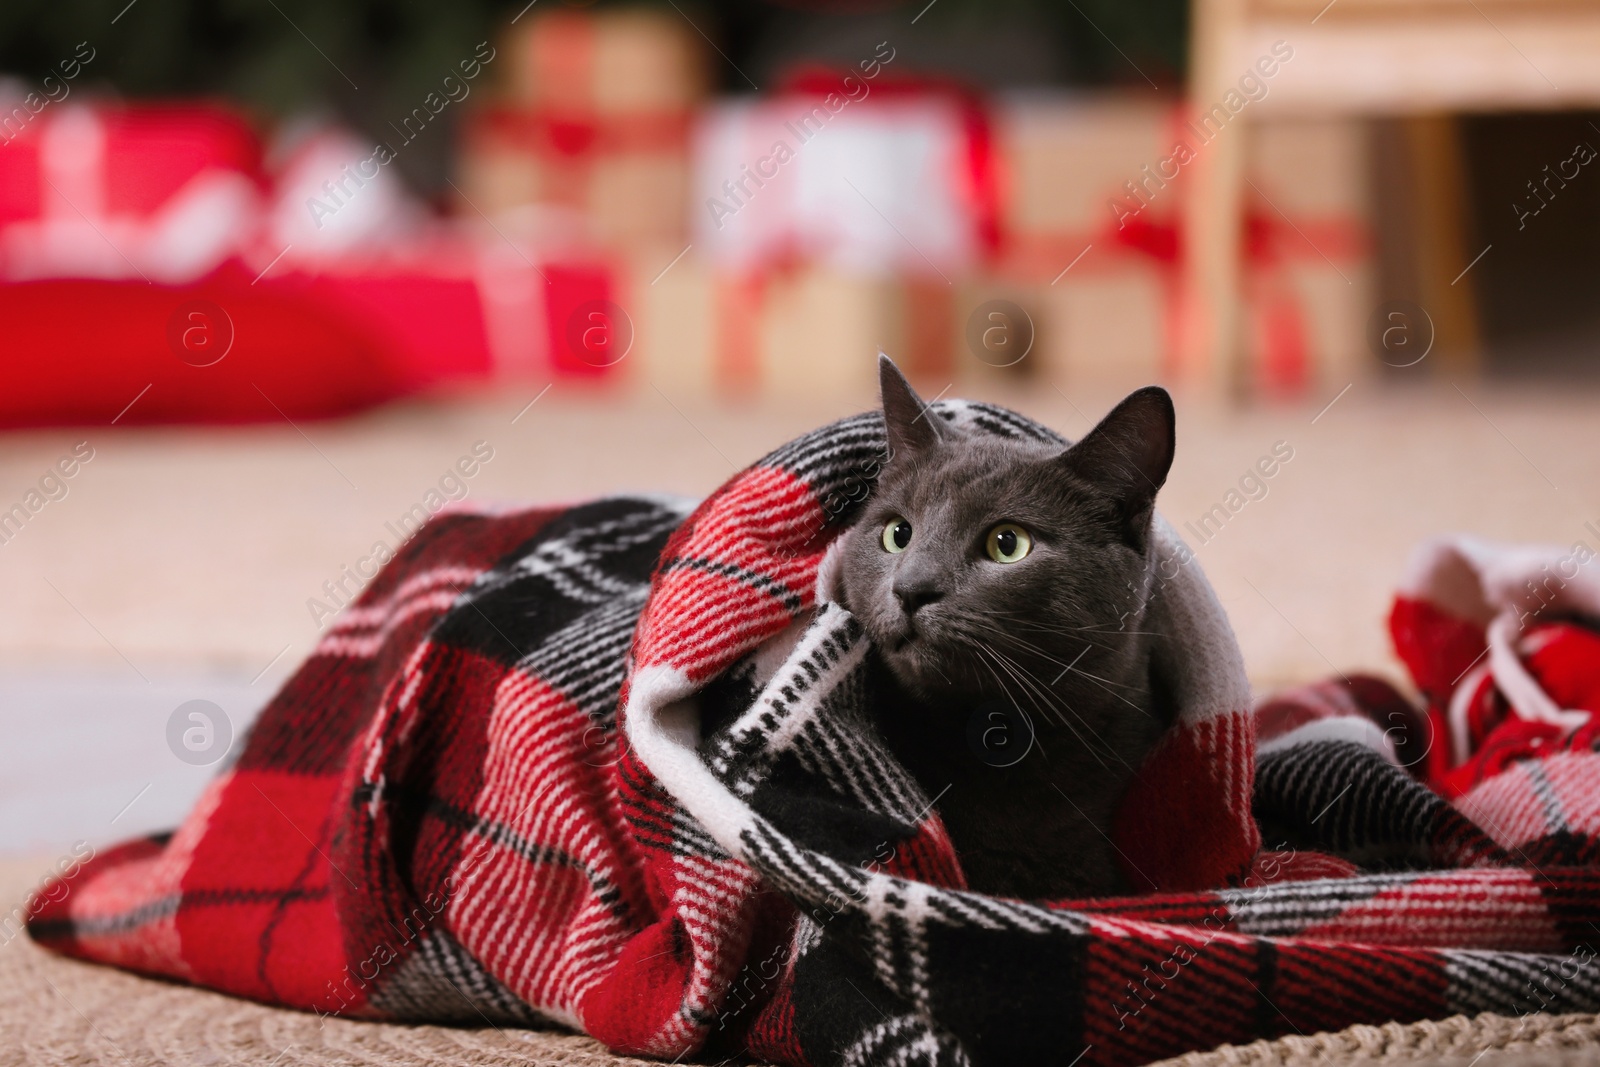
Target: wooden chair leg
{"x":1214,"y":357}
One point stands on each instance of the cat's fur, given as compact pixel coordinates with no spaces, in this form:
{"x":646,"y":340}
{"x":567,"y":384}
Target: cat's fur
{"x":1060,"y":634}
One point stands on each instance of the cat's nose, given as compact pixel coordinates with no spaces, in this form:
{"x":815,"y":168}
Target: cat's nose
{"x":914,"y":595}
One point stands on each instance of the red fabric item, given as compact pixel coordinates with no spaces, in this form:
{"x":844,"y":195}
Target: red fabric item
{"x":296,"y":345}
{"x":631,"y":922}
{"x":1197,"y":777}
{"x":1406,"y":733}
{"x":1436,"y":646}
{"x":1457,"y":593}
{"x":91,"y":351}
{"x":1564,"y":658}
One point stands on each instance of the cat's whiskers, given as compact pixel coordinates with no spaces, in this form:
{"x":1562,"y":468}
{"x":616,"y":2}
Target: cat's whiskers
{"x":1026,"y":681}
{"x":1012,"y":623}
{"x":1076,"y":631}
{"x":1075,"y":669}
{"x":1103,"y":683}
{"x":1106,"y":685}
{"x":1072,"y":668}
{"x":1029,"y":646}
{"x":985,"y":657}
{"x":1044,"y":710}
{"x":1106,"y":631}
{"x":1108,"y":681}
{"x":1027,"y":623}
{"x":988,"y":657}
{"x":1036,"y":689}
{"x":1097,"y":680}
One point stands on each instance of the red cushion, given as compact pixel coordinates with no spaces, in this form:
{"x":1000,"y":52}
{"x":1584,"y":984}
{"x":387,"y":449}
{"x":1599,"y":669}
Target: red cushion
{"x":79,"y":351}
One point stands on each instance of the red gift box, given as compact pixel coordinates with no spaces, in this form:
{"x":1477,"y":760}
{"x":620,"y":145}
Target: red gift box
{"x":139,"y":158}
{"x":159,"y":193}
{"x":143,"y":286}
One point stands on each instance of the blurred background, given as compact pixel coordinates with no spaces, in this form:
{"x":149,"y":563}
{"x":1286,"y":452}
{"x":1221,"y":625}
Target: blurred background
{"x":269,"y":269}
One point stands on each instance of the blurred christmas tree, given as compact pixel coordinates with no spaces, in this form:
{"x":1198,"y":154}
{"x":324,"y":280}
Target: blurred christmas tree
{"x":366,"y":62}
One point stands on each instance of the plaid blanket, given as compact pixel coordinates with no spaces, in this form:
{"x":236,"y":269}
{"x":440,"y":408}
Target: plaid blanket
{"x":612,"y":767}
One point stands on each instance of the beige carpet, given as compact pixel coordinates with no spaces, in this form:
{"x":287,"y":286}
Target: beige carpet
{"x":56,"y":1012}
{"x":1487,"y":1041}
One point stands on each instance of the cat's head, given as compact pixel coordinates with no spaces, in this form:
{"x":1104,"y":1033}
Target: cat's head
{"x":982,"y":565}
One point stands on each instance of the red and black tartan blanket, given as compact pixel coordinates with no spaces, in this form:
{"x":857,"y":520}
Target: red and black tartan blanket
{"x":612,"y":767}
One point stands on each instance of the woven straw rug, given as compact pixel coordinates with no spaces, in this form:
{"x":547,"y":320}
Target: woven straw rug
{"x":55,"y":1011}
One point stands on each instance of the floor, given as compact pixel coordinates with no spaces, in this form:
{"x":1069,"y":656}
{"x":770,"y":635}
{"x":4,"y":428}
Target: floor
{"x":188,"y":564}
{"x":58,"y":1012}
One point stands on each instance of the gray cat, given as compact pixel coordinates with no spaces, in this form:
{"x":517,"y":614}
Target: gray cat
{"x":1003,"y":584}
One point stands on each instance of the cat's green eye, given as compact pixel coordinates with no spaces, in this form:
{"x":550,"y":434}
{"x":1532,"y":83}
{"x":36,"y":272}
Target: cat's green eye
{"x":1008,"y":543}
{"x":896,"y":535}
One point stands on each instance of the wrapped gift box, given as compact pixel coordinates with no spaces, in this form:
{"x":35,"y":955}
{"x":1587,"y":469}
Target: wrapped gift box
{"x":624,"y":181}
{"x":158,"y":192}
{"x":1093,"y":225}
{"x":1320,"y":272}
{"x":1069,"y":161}
{"x":150,"y":272}
{"x":882,"y":186}
{"x":613,"y":62}
{"x":1091,"y":255}
{"x":839,"y":216}
{"x":595,"y":121}
{"x":807,"y":330}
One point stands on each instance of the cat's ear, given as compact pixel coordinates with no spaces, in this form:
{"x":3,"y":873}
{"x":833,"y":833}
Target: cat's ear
{"x":1128,"y":455}
{"x":911,"y":426}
